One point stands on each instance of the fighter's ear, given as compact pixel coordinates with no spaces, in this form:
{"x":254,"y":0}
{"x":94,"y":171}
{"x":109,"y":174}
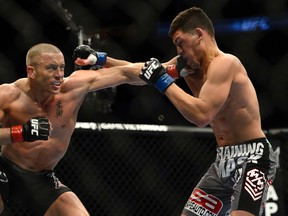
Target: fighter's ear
{"x":30,"y":71}
{"x":199,"y":32}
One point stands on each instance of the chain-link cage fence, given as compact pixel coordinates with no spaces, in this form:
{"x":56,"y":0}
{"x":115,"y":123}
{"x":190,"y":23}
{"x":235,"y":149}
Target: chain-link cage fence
{"x":144,"y":170}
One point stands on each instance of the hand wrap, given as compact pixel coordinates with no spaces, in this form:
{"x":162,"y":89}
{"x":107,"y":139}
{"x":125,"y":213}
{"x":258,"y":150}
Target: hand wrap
{"x":35,"y":129}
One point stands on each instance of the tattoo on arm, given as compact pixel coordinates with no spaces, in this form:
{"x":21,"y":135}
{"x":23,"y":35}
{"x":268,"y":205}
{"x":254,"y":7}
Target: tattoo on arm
{"x":59,"y":109}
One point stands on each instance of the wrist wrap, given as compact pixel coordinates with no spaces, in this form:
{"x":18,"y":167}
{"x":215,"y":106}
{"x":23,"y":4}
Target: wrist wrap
{"x":172,"y":71}
{"x":16,"y":133}
{"x":101,"y":58}
{"x":164,"y":82}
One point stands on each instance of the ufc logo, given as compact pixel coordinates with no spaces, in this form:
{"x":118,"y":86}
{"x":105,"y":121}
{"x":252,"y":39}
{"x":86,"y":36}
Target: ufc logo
{"x":149,"y":71}
{"x":34,"y":127}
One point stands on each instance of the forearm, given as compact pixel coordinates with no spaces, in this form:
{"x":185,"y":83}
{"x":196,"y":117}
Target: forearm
{"x":131,"y":71}
{"x":171,"y":61}
{"x":111,"y":62}
{"x":5,"y":136}
{"x":193,"y":109}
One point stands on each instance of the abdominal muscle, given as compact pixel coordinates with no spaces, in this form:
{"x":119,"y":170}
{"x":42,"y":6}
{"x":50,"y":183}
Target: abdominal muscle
{"x":35,"y":156}
{"x":235,"y":133}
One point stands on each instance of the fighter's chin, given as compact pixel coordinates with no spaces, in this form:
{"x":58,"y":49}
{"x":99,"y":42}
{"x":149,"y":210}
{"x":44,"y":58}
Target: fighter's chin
{"x":55,"y":89}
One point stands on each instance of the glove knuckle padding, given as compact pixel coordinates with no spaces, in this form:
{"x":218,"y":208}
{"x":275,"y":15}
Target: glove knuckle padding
{"x":36,"y":129}
{"x":152,"y":71}
{"x":82,"y":51}
{"x":182,"y":69}
{"x":44,"y":127}
{"x":180,"y":63}
{"x":155,"y":74}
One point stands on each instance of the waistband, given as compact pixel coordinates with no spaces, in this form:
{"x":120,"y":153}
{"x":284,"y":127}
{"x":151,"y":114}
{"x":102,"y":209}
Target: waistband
{"x":15,"y":167}
{"x":245,"y":149}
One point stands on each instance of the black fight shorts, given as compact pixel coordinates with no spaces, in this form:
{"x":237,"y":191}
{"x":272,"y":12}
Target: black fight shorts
{"x":35,"y":191}
{"x":237,"y":180}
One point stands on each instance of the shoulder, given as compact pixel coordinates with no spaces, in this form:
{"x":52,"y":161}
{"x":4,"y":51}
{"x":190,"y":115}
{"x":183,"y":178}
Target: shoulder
{"x":224,"y":68}
{"x":76,"y":81}
{"x":10,"y":92}
{"x":226,"y":59}
{"x":11,"y":89}
{"x":226,"y":63}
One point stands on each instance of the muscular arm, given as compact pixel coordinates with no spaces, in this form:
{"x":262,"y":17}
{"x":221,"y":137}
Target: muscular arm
{"x":213,"y":94}
{"x":170,"y":62}
{"x":115,"y":72}
{"x":90,"y":80}
{"x":84,"y":55}
{"x":5,"y":136}
{"x":111,"y":62}
{"x":7,"y":95}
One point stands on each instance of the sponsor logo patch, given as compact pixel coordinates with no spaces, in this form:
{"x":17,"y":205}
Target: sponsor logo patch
{"x":201,"y":203}
{"x":254,"y":183}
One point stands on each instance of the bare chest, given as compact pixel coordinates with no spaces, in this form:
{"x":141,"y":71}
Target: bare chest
{"x":57,"y":110}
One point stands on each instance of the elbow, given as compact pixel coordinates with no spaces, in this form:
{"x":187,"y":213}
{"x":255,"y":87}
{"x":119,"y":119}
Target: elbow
{"x":200,"y":121}
{"x":199,"y":115}
{"x":203,"y":117}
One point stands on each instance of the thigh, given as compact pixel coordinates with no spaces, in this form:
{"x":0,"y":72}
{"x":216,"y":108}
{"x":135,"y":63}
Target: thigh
{"x":37,"y":191}
{"x":208,"y":202}
{"x":210,"y":197}
{"x":4,"y":187}
{"x":67,"y":204}
{"x":4,"y":184}
{"x":251,"y":191}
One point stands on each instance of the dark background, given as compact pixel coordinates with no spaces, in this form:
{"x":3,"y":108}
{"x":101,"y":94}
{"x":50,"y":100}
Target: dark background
{"x":253,"y":30}
{"x":147,"y":173}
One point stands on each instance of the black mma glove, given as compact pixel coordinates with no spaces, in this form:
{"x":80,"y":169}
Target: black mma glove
{"x":37,"y":128}
{"x":86,"y":52}
{"x":180,"y":69}
{"x":155,"y":74}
